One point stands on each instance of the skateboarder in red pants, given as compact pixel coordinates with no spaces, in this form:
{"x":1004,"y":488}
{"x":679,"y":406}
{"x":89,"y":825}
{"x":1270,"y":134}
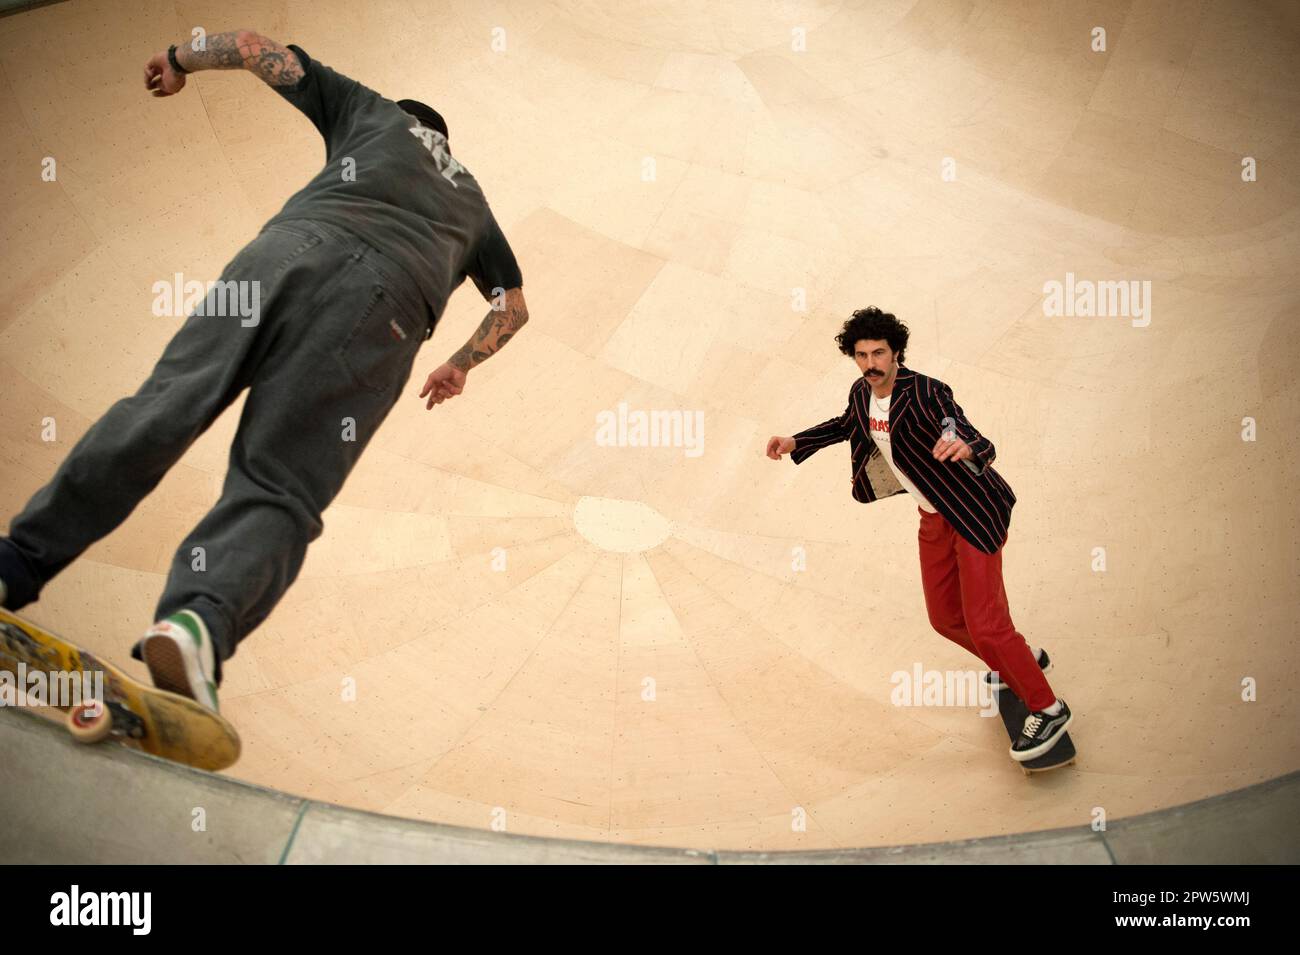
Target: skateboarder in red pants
{"x":907,"y":435}
{"x":349,"y":278}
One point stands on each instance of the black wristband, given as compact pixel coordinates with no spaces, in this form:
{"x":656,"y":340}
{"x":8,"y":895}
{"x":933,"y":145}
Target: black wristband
{"x":171,"y":58}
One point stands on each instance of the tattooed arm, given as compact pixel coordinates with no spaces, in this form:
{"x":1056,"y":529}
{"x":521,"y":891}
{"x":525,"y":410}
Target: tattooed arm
{"x":497,"y":328}
{"x":236,"y":50}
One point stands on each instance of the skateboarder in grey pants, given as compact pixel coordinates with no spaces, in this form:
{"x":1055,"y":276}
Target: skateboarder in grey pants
{"x":320,"y":317}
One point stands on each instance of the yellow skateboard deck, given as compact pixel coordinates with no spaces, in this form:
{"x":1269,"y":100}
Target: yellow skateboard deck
{"x":97,"y":701}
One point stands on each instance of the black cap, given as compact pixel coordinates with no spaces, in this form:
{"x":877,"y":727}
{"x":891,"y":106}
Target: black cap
{"x":427,"y":115}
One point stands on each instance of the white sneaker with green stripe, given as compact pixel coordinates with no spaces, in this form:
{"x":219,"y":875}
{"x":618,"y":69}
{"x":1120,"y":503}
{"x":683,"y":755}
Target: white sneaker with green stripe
{"x":179,"y":654}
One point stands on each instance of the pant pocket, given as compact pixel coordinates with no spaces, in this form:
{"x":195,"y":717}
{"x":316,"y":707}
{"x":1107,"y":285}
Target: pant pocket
{"x":292,"y":244}
{"x":266,"y":257}
{"x":383,"y":342}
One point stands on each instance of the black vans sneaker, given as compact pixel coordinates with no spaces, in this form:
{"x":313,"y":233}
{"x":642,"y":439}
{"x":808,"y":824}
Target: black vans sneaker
{"x":1044,"y":663}
{"x":1041,"y":732}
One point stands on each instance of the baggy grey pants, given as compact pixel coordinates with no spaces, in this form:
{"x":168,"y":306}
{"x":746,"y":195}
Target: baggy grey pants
{"x":324,"y":359}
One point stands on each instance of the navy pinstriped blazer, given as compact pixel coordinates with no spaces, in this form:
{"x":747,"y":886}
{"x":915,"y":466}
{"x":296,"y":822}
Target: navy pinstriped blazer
{"x":974,"y":499}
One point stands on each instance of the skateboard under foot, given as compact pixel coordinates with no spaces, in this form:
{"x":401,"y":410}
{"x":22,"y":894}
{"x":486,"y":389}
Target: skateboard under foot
{"x":1014,"y":713}
{"x":130,"y":713}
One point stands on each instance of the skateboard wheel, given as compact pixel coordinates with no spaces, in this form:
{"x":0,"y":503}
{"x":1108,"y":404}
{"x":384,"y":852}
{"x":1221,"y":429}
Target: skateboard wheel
{"x":90,"y":722}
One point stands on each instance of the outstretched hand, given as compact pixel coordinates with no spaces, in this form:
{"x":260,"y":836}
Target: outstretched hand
{"x":159,"y":77}
{"x":951,"y":448}
{"x":778,"y":446}
{"x":445,"y":381}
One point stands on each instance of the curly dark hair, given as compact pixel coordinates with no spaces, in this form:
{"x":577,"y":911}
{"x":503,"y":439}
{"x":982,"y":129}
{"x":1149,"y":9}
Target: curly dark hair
{"x":871,"y":322}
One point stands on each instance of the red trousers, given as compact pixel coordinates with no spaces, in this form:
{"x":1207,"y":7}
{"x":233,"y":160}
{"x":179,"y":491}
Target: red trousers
{"x":968,"y":604}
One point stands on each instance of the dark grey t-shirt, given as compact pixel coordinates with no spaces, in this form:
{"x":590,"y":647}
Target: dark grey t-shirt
{"x":405,"y":195}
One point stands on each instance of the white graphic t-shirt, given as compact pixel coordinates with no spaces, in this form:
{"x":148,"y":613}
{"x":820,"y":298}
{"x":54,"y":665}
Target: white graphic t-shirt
{"x":879,"y":427}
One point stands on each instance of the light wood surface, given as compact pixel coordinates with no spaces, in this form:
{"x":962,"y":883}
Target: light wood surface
{"x":647,"y":665}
